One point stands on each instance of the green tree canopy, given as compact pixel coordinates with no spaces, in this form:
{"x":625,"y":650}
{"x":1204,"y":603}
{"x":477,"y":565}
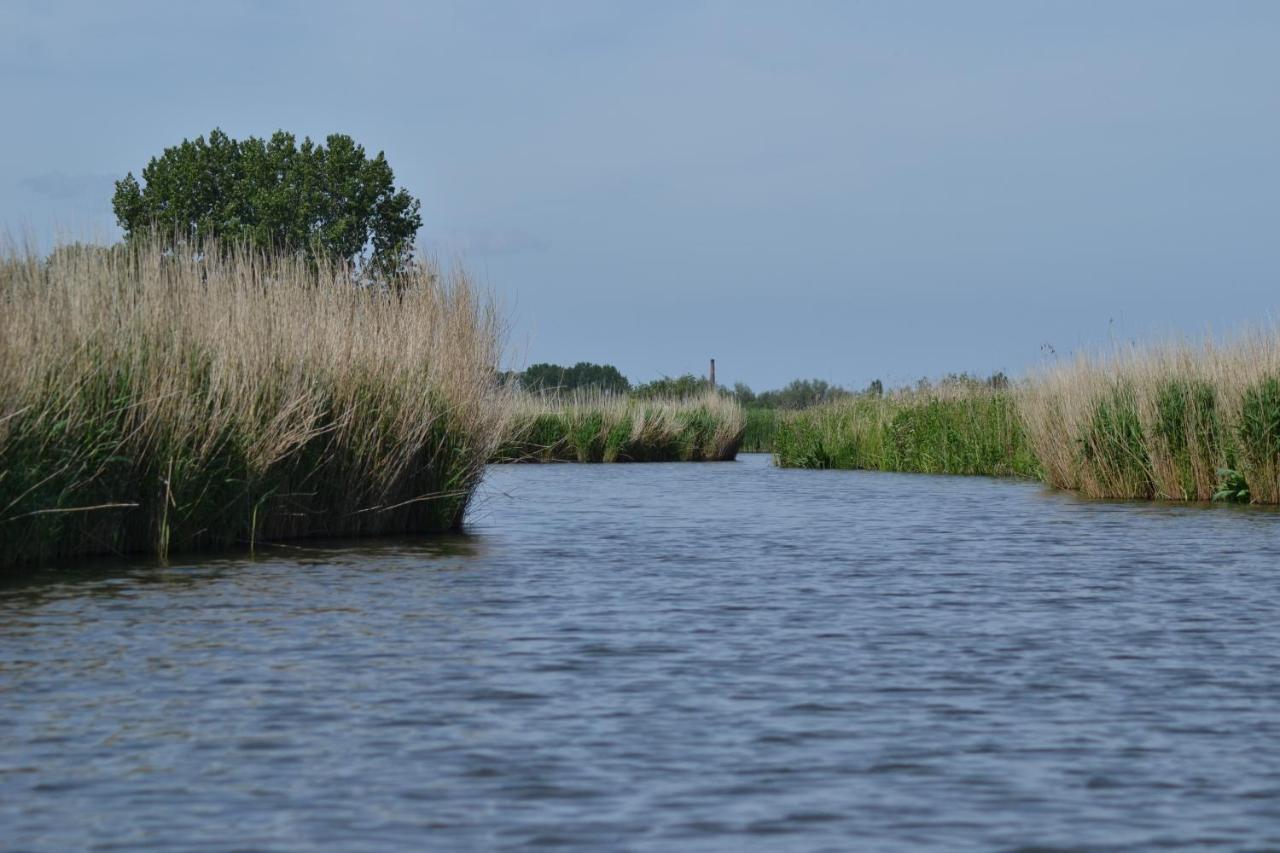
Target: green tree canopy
{"x":328,"y":199}
{"x":583,"y":375}
{"x":801,"y":394}
{"x":674,"y":387}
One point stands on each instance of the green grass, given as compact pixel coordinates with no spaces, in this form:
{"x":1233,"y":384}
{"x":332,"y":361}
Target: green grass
{"x":1188,"y":433}
{"x":761,"y":426}
{"x":977,"y":433}
{"x":1114,"y":447}
{"x":1257,"y":437}
{"x":1157,"y":430}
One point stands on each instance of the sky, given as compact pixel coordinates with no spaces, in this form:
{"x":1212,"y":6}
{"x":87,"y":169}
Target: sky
{"x":837,"y":190}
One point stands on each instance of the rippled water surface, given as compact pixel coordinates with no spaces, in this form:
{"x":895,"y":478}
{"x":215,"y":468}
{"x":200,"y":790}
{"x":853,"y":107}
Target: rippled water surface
{"x":677,"y":657}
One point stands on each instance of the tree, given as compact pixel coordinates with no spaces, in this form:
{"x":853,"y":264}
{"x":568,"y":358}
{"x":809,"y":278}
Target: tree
{"x":801,"y":394}
{"x":583,"y":375}
{"x":678,"y":387}
{"x":328,"y":199}
{"x":743,"y":394}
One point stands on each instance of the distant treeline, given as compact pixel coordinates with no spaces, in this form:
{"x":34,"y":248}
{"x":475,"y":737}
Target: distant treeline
{"x":795,"y":395}
{"x":582,"y":376}
{"x":605,"y":378}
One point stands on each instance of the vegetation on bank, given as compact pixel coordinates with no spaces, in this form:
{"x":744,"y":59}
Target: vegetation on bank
{"x":767,"y":410}
{"x":152,"y":401}
{"x":761,"y":427}
{"x":595,"y":427}
{"x":1174,"y":422}
{"x":761,"y":412}
{"x":944,"y":430}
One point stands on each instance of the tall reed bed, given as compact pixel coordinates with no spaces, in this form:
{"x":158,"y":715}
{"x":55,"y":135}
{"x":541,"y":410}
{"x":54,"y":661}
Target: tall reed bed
{"x":1174,"y":422}
{"x":941,"y":431}
{"x":1177,"y":422}
{"x":761,"y":426}
{"x":151,"y":402}
{"x":609,"y":428}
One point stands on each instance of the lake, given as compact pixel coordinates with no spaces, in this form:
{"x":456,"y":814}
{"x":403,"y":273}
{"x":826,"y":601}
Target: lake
{"x":720,"y":656}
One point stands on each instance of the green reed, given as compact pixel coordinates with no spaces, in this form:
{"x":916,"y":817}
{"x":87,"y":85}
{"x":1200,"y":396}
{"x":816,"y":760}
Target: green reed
{"x":973,"y":433}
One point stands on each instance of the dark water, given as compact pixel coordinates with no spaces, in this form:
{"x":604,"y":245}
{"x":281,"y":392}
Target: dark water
{"x":669,"y":657}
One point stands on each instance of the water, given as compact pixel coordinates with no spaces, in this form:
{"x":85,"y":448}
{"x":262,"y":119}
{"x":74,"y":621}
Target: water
{"x":675,"y":657}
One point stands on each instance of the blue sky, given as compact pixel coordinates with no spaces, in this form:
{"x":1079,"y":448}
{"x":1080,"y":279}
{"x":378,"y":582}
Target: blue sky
{"x":841,"y":190}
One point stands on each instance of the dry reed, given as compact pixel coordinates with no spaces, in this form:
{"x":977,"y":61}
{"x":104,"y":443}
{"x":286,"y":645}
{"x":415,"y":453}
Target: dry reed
{"x":1165,"y":421}
{"x":596,"y":427}
{"x":151,"y":402}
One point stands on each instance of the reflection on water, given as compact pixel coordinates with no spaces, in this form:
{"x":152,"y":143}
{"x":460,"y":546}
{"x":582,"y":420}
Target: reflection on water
{"x":722,"y":656}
